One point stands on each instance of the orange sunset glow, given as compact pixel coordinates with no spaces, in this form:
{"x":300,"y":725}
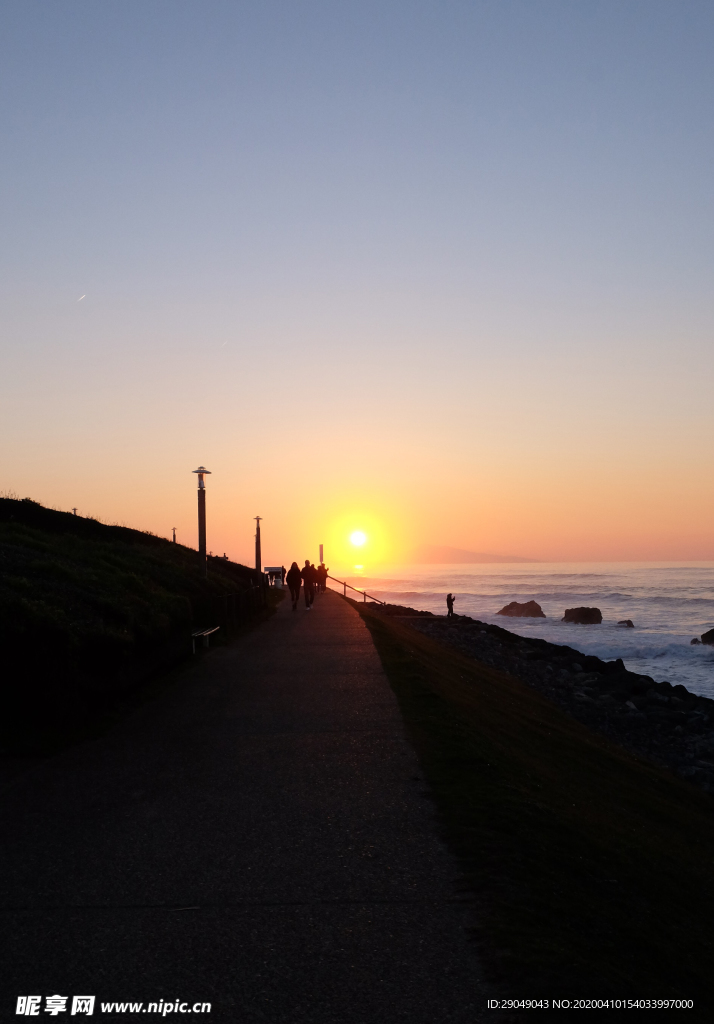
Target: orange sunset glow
{"x":511,"y":366}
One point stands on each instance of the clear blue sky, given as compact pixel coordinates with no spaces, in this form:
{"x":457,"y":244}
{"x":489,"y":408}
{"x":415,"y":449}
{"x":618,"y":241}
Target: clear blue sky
{"x":483,"y":228}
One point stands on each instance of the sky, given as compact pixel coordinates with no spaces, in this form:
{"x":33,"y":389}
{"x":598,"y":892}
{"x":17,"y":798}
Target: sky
{"x":437,"y":271}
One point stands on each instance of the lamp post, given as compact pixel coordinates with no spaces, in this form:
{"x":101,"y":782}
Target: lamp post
{"x":258,"y":556}
{"x":202,"y":563}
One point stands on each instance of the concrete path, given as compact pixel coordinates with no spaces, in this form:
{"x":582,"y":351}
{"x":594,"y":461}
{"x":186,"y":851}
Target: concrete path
{"x":259,"y":838}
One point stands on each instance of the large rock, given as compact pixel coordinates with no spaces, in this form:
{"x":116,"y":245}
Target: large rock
{"x":583,"y":616}
{"x":708,"y":637}
{"x":627,"y":622}
{"x":528,"y":610}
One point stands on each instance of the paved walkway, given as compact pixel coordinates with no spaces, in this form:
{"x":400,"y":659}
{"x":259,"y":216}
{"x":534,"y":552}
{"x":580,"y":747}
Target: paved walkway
{"x":259,"y":838}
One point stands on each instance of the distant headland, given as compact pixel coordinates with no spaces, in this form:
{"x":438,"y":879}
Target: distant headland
{"x":438,"y":554}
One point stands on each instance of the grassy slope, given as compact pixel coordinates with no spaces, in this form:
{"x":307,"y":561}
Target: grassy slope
{"x":594,"y":870}
{"x":84,"y":606}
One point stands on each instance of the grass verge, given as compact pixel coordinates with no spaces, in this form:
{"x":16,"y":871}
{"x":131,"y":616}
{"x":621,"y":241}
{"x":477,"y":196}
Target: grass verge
{"x":593,"y":870}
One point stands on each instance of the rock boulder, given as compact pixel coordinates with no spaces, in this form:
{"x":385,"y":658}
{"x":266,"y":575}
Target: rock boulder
{"x":708,"y":637}
{"x":583,"y":616}
{"x":529,"y":610}
{"x":627,"y":622}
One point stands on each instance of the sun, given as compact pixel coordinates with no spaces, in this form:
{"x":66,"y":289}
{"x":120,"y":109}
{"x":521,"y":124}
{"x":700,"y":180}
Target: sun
{"x":358,"y":538}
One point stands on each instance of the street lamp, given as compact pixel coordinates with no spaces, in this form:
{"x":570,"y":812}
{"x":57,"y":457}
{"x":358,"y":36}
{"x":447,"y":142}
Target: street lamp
{"x":258,"y":555}
{"x":202,"y":563}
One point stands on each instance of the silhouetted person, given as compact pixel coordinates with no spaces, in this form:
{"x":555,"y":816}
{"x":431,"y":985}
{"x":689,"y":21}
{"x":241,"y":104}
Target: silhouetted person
{"x":294,"y":580}
{"x":282,"y":575}
{"x":450,"y":606}
{"x":308,"y":579}
{"x":322,"y":578}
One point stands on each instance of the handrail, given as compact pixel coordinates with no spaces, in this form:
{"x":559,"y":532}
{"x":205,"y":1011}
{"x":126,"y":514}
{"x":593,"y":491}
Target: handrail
{"x":364,"y":593}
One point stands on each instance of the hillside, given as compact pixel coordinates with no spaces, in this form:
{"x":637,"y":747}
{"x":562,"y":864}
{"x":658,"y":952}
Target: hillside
{"x":87,"y":610}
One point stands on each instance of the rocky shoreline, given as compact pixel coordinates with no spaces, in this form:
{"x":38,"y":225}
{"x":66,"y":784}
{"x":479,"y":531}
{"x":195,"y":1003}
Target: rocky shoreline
{"x":666,"y":724}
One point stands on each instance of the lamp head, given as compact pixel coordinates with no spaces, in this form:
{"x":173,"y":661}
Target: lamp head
{"x":202,"y":471}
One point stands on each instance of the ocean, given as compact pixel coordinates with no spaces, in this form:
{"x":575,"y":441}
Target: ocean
{"x":668,"y":602}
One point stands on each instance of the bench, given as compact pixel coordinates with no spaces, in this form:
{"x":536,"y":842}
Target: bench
{"x":205,"y":633}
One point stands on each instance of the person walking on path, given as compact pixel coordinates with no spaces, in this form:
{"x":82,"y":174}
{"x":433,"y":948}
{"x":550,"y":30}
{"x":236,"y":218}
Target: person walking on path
{"x":294,"y":580}
{"x":450,"y":606}
{"x":308,"y":578}
{"x":321,"y":578}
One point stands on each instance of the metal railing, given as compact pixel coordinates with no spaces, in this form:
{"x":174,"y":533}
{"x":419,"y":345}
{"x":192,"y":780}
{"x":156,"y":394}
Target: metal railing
{"x":364,"y":593}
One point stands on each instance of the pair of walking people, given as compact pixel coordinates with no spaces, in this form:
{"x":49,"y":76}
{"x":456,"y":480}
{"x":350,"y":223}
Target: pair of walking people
{"x":308,"y":576}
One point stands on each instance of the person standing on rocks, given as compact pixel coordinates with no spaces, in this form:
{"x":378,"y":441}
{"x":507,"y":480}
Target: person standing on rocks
{"x":450,"y":606}
{"x":294,"y":581}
